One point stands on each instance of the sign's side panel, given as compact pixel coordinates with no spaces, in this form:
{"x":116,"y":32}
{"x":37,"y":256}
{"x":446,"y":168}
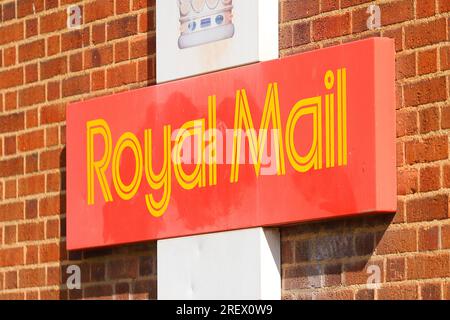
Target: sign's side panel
{"x":132,"y":174}
{"x":385,"y":130}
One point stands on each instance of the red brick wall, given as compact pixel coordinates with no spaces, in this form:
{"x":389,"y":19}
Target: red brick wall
{"x":411,"y":248}
{"x":43,"y":66}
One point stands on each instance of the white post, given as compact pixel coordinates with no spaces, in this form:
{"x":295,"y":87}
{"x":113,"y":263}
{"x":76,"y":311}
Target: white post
{"x":241,"y":264}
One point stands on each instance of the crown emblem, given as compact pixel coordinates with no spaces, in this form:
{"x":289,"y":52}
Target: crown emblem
{"x":204,"y":21}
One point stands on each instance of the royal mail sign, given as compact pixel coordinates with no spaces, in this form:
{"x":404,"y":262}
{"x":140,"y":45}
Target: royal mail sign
{"x":307,"y":137}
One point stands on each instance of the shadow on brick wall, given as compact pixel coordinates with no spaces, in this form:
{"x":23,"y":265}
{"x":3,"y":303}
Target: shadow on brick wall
{"x":322,"y":259}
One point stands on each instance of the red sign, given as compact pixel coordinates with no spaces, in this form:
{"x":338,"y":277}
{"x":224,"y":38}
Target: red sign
{"x":307,"y":137}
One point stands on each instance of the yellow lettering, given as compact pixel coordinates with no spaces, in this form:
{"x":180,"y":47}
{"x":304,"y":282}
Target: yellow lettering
{"x":98,"y":127}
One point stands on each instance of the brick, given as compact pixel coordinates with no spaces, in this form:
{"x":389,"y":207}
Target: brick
{"x":11,"y":167}
{"x":428,"y":238}
{"x":31,"y":140}
{"x":53,"y":22}
{"x":11,"y":257}
{"x":31,"y":27}
{"x":430,"y":178}
{"x":11,"y":212}
{"x":424,"y":34}
{"x":328,"y":5}
{"x":31,"y":73}
{"x":31,"y":118}
{"x":425,"y":8}
{"x":76,"y":62}
{"x":397,"y":241}
{"x":395,"y":269}
{"x":398,"y":292}
{"x":121,"y":51}
{"x":98,"y":10}
{"x":53,"y":45}
{"x":302,"y":277}
{"x":31,"y":95}
{"x":52,"y":159}
{"x":396,"y":11}
{"x":123,"y":269}
{"x":52,"y":229}
{"x":143,"y":47}
{"x":445,"y":236}
{"x":122,"y":7}
{"x":406,"y":123}
{"x":303,"y":250}
{"x":364,"y":244}
{"x":98,"y":33}
{"x":72,"y":40}
{"x":11,"y":100}
{"x":53,"y":113}
{"x":98,"y":272}
{"x":51,"y":136}
{"x":31,"y":50}
{"x":32,"y":278}
{"x":9,"y":11}
{"x":32,"y":185}
{"x":10,"y":145}
{"x":98,"y":80}
{"x":332,"y":275}
{"x":444,"y":6}
{"x":146,"y":70}
{"x":142,"y":4}
{"x":11,"y":78}
{"x":98,"y":292}
{"x":11,"y":280}
{"x":122,"y":27}
{"x":285,"y":37}
{"x":359,"y":272}
{"x":28,"y":7}
{"x":331,"y":27}
{"x":147,"y":21}
{"x":31,"y":163}
{"x":10,"y":189}
{"x":31,"y":231}
{"x":121,"y":75}
{"x":296,"y":9}
{"x":32,"y":254}
{"x":430,"y":291}
{"x":287,"y":252}
{"x":31,"y":209}
{"x":51,"y":4}
{"x":75,"y":85}
{"x":98,"y":57}
{"x":10,"y":234}
{"x":55,"y":182}
{"x":342,"y":294}
{"x":427,"y":61}
{"x":444,"y":54}
{"x":9,"y":56}
{"x":11,"y":33}
{"x":122,"y":291}
{"x":53,"y":90}
{"x":407,"y":181}
{"x":428,"y":266}
{"x":427,"y":209}
{"x":301,"y":33}
{"x":50,"y":206}
{"x":405,"y":66}
{"x":429,"y":119}
{"x":426,"y":150}
{"x":54,"y":67}
{"x":446,"y":176}
{"x":425,"y":91}
{"x":49,"y":252}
